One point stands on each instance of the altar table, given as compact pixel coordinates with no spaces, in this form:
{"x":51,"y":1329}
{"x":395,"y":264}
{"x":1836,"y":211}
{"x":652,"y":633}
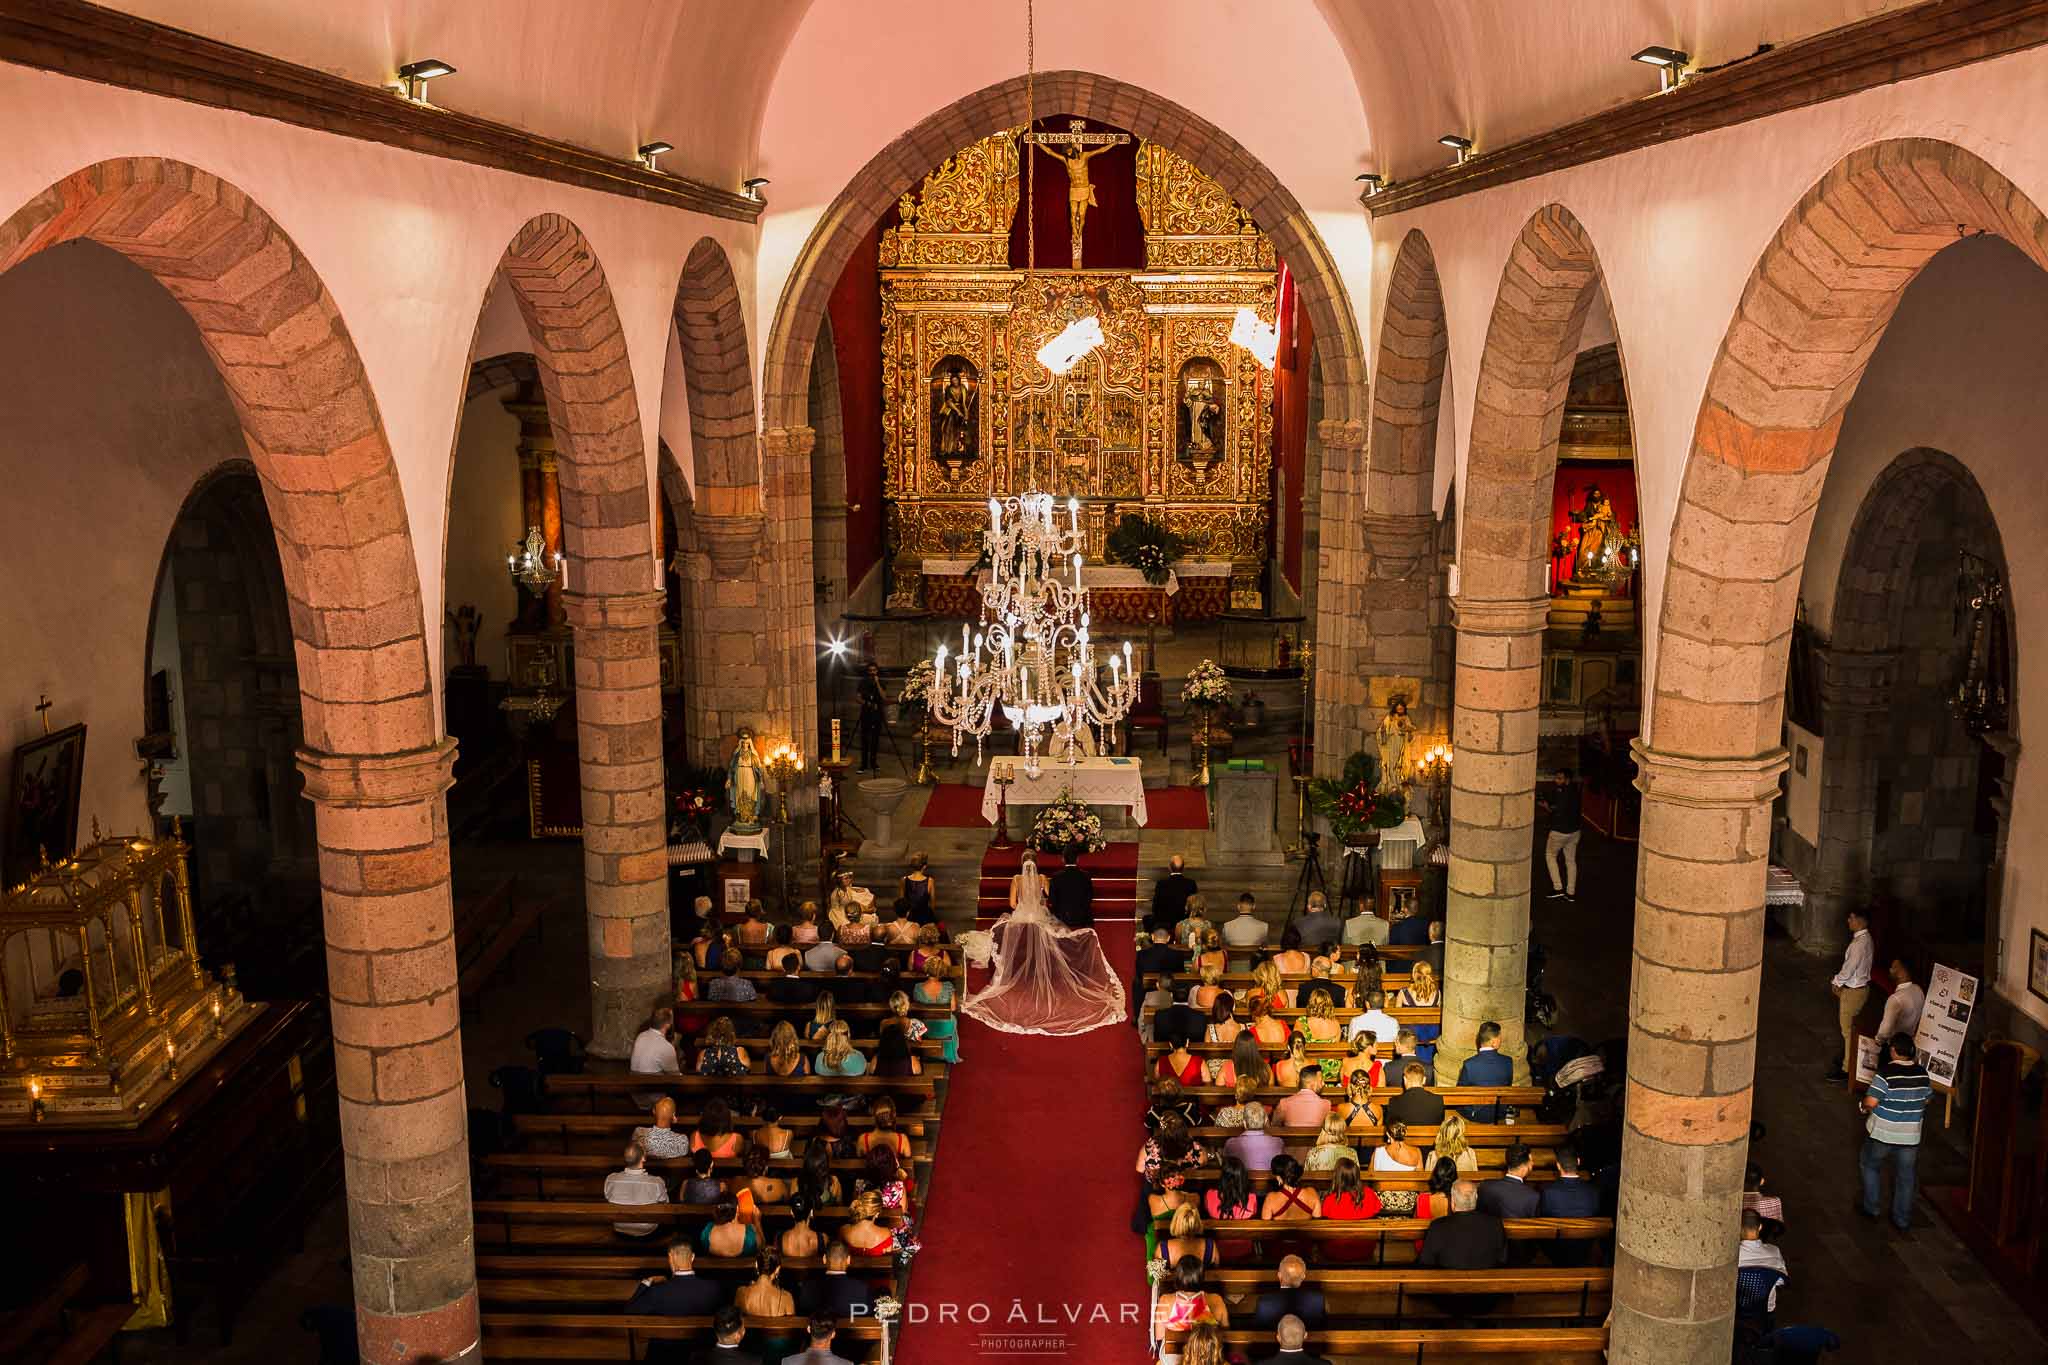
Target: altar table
{"x":1091,"y":781}
{"x":1195,"y":590}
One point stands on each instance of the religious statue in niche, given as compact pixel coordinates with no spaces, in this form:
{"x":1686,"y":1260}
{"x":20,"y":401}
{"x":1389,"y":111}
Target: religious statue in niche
{"x":746,"y":779}
{"x":1201,"y":442}
{"x":1071,"y":150}
{"x":1395,"y":731}
{"x":955,"y":413}
{"x":1594,"y":560}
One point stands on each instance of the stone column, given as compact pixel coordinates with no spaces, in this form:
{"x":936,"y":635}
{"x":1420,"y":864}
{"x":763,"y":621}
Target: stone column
{"x":1400,"y":557}
{"x":786,"y":476}
{"x":382,"y":825}
{"x":625,"y":859}
{"x":731,"y":598}
{"x":1341,"y":697}
{"x":1699,"y":936}
{"x":1493,"y":817}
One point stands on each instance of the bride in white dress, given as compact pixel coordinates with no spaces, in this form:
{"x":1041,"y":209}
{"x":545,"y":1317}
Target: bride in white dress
{"x":1048,"y":978}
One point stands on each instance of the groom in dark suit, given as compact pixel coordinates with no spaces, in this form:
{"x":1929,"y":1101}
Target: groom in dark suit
{"x":1073,"y":896}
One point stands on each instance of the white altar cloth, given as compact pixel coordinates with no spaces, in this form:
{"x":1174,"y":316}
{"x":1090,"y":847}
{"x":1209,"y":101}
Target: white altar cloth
{"x":1092,"y":781}
{"x":733,"y":839}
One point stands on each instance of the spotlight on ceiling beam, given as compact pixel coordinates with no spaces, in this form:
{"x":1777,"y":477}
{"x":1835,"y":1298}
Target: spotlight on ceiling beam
{"x":1672,"y":65}
{"x":752,"y":186}
{"x":417,"y":74}
{"x":1461,"y":148}
{"x":650,"y":151}
{"x":1373,"y":182}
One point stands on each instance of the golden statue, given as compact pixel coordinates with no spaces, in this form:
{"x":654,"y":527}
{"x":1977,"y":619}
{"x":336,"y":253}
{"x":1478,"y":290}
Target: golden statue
{"x":1068,"y":149}
{"x":1596,"y":526}
{"x":1391,"y":739}
{"x":745,"y":780}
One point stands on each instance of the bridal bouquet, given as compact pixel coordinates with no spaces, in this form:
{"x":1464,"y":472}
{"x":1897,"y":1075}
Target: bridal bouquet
{"x":1066,"y":824}
{"x":1206,"y":685}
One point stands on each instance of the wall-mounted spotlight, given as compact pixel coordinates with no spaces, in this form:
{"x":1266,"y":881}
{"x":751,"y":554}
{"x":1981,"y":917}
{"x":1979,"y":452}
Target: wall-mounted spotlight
{"x":752,"y":187}
{"x":1671,"y":65}
{"x":417,"y":74}
{"x":1461,"y":148}
{"x":650,"y":151}
{"x":1373,"y":182}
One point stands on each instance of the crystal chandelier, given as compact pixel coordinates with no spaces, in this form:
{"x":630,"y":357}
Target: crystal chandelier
{"x":1032,"y":655}
{"x":531,"y":565}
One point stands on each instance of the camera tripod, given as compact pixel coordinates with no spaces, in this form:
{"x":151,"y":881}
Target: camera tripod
{"x":1311,"y":871}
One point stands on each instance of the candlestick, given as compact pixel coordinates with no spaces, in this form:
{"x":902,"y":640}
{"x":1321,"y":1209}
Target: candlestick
{"x":835,"y":739}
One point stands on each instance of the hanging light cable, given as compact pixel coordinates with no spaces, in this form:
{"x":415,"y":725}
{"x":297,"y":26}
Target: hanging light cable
{"x":1083,"y":333}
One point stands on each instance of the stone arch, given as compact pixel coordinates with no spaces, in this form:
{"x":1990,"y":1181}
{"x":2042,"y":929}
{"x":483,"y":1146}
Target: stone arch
{"x":1878,"y":552}
{"x":374,"y":766}
{"x":1373,"y":611}
{"x":500,"y":371}
{"x":614,"y":603}
{"x":1549,"y":283}
{"x":1814,"y":309}
{"x":711,"y":332}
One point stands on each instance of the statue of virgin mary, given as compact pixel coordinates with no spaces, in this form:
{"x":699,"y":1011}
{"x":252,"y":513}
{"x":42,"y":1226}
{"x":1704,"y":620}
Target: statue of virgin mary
{"x":745,"y":781}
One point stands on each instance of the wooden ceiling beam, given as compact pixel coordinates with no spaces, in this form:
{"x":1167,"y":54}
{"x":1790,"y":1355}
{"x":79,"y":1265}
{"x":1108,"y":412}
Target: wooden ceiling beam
{"x":1895,"y":46}
{"x":91,"y":43}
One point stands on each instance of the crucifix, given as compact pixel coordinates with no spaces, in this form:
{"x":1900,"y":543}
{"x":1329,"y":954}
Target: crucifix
{"x":43,"y":712}
{"x":1070,"y":149}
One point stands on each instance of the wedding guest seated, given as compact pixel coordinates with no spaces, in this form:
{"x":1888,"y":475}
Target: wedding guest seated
{"x":1333,"y":1144}
{"x":1179,"y":1022}
{"x":816,"y":1182}
{"x":1487,"y":1066}
{"x":819,"y":1352}
{"x":1397,"y":1155}
{"x":721,"y":1054}
{"x":1171,"y":1152}
{"x":770,"y":1133}
{"x":1232,"y":1200}
{"x":654,"y":1054}
{"x":1224,"y":1026}
{"x":1320,"y":1024}
{"x":1364,"y":1055}
{"x":1349,"y":1198}
{"x":661,"y":1140}
{"x":1768,"y":1206}
{"x":635,"y":1184}
{"x":824,"y":1010}
{"x":1245,"y":929}
{"x":920,"y":893}
{"x":764,"y":1296}
{"x":731,"y":988}
{"x":792,"y":989}
{"x":846,"y":987}
{"x":1453,"y":1145}
{"x":760,"y":1189}
{"x":1187,"y":1236}
{"x":1753,"y":1252}
{"x":710,"y":939}
{"x":715,"y":1131}
{"x":1291,"y":960}
{"x":1269,"y":1030}
{"x":931,"y":945}
{"x":857,"y":932}
{"x":898,"y":929}
{"x":1408,"y":1048}
{"x":833,"y":1291}
{"x":1203,"y":996}
{"x":848,"y":904}
{"x":1193,"y":924}
{"x":1374,"y":1016}
{"x":1179,"y":1063}
{"x":1213,"y":953}
{"x":1571,"y":1195}
{"x":1189,"y":1308}
{"x":1266,"y":979}
{"x":1290,"y":1335}
{"x":1159,"y":958}
{"x":1168,"y":1098}
{"x":800,"y":1240}
{"x":1416,"y":1104}
{"x":936,"y":988}
{"x":893,"y":1053}
{"x":1422,"y":991}
{"x":1510,"y":1194}
{"x":804,"y":932}
{"x":864,"y":1234}
{"x":1467,"y":1238}
{"x":839,"y":1057}
{"x":1365,"y":927}
{"x":1288,"y":1071}
{"x":1321,"y":977}
{"x":682,"y":1293}
{"x":1306,"y":1107}
{"x":1410,"y":930}
{"x":687,"y":988}
{"x":1293,"y":1298}
{"x":1254,"y":1146}
{"x":1170,"y":896}
{"x":725,"y":1234}
{"x":1288,"y":1199}
{"x":823,"y":956}
{"x":1357,"y":1109}
{"x":701,"y":1185}
{"x":1435,"y":954}
{"x":754,"y":930}
{"x":885,"y":1176}
{"x":1162,"y":1203}
{"x":1318,"y":927}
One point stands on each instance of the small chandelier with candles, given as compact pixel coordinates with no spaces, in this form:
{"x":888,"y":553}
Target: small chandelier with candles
{"x":1032,"y":655}
{"x":530,"y":564}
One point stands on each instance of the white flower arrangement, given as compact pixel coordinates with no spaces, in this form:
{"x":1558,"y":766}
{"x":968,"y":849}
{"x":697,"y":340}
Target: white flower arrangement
{"x":1064,"y":824}
{"x":1206,"y":685}
{"x":917,"y":685}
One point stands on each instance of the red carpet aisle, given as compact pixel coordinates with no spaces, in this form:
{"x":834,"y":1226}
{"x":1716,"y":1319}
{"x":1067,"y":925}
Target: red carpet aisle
{"x":1029,"y":1220}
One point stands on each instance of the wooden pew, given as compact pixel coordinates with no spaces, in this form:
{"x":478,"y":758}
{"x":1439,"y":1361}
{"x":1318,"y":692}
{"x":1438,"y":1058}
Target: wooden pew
{"x":1394,"y":1239}
{"x":1456,"y":1096}
{"x":1241,"y":1009}
{"x":1396,"y":1292}
{"x":618,"y":1087}
{"x":1545,"y":1169}
{"x":768,"y":1012}
{"x":1430,"y":1345}
{"x":575,"y":1176}
{"x":615,"y":1336}
{"x":509,"y":1223}
{"x":1481,"y":1136}
{"x":587,"y":1130}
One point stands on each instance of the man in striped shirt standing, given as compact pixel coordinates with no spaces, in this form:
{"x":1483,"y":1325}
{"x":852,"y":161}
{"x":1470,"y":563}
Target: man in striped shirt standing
{"x":1894,"y":1103}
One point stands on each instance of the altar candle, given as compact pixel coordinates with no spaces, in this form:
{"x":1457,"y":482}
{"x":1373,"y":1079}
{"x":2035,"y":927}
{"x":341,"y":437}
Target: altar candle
{"x":963,"y":637}
{"x":1073,"y":515}
{"x":995,"y":516}
{"x":835,"y":736}
{"x":1077,"y":571}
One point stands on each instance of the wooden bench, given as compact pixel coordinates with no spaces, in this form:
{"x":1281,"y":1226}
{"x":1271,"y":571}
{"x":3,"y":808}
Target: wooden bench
{"x":576,"y":1176}
{"x":769,"y":1010}
{"x":1429,"y":1345}
{"x":1545,"y":1169}
{"x":1394,"y":1239}
{"x":509,"y":1223}
{"x":621,"y":1086}
{"x":616,"y":1336}
{"x":88,"y":1332}
{"x":42,"y":1313}
{"x":612,"y":1130}
{"x":487,"y":927}
{"x":1455,"y":1096}
{"x":1478,"y":1135}
{"x":635,"y":1267}
{"x":1401,"y":1291}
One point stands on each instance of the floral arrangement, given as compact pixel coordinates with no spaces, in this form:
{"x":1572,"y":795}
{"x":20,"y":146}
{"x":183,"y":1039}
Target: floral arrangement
{"x":1206,"y":685}
{"x":1351,"y":804}
{"x":692,"y":812}
{"x":1156,"y":1270}
{"x":917,"y":685}
{"x":1065,"y":823}
{"x":1145,"y":546}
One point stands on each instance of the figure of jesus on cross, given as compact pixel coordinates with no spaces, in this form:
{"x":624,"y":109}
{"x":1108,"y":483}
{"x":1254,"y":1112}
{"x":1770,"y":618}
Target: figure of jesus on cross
{"x":1069,"y":149}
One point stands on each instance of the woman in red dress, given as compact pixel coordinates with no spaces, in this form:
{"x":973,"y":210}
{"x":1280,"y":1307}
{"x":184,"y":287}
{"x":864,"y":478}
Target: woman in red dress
{"x":1181,"y":1064}
{"x":1349,"y":1199}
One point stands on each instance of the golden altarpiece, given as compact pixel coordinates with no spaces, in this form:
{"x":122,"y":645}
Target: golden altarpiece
{"x":1169,"y":418}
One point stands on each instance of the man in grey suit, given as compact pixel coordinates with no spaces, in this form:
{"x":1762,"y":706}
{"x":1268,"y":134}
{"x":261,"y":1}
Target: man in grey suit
{"x":823,"y":1326}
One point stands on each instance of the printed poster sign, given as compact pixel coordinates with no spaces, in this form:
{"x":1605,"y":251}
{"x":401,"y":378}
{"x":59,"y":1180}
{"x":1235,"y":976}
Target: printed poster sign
{"x":1938,"y":1042}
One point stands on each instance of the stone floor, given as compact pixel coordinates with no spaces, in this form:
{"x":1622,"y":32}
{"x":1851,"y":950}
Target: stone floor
{"x":1917,"y":1295}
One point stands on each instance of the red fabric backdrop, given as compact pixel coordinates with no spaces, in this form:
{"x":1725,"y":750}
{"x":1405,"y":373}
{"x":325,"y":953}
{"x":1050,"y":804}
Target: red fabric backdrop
{"x":1616,"y":478}
{"x":1113,"y":237}
{"x":856,"y":312}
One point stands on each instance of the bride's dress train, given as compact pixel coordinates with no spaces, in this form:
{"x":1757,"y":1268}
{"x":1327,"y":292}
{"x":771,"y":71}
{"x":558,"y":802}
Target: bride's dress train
{"x":1049,"y":979}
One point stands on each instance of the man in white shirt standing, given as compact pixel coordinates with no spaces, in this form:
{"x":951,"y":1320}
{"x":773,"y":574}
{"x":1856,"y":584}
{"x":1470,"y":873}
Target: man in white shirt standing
{"x":1851,"y":986}
{"x":1902,"y":1007}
